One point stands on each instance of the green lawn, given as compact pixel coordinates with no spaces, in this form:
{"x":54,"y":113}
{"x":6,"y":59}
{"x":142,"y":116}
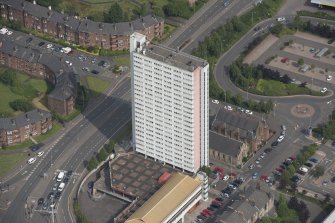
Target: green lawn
{"x":26,"y":88}
{"x":122,"y":60}
{"x":277,"y":88}
{"x":9,"y":161}
{"x":96,"y":85}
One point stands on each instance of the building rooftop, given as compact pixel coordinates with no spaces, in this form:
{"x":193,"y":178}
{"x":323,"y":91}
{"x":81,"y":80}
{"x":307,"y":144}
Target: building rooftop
{"x":173,"y":57}
{"x":224,"y":144}
{"x":168,"y":198}
{"x":84,"y":25}
{"x":241,"y":121}
{"x":22,"y":120}
{"x":65,"y":81}
{"x":242,"y":210}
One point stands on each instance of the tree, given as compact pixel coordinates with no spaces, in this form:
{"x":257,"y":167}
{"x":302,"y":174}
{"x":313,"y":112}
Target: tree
{"x":115,"y":14}
{"x":282,"y":208}
{"x":102,"y":155}
{"x":92,"y":164}
{"x":21,"y":105}
{"x":318,"y":171}
{"x":293,"y":203}
{"x":301,"y":61}
{"x":327,"y":198}
{"x":277,"y":29}
{"x":109,"y":147}
{"x":8,"y":77}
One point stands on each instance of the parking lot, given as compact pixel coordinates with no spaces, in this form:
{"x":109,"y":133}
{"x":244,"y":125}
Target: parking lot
{"x":304,"y":57}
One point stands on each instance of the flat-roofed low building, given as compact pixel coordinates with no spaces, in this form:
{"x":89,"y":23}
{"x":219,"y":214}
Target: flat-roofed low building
{"x":171,"y":202}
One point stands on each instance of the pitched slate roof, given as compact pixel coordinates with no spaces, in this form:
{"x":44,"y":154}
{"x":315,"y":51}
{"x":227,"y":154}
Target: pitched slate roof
{"x":22,"y":120}
{"x":233,"y":118}
{"x":224,"y":144}
{"x":65,"y":80}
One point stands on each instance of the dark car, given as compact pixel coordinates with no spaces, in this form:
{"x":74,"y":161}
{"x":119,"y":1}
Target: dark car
{"x":57,"y":195}
{"x":313,"y":160}
{"x":50,"y":195}
{"x":65,"y":180}
{"x":333,"y":180}
{"x":219,"y":199}
{"x":257,"y":28}
{"x":275,"y":143}
{"x":296,"y":179}
{"x":69,"y":173}
{"x":90,"y":185}
{"x":95,"y":72}
{"x":41,"y":44}
{"x":36,"y":147}
{"x":40,"y":201}
{"x":45,"y":205}
{"x":215,"y":205}
{"x":333,"y":143}
{"x":331,"y":41}
{"x":267,"y":150}
{"x":308,"y":164}
{"x":29,"y":40}
{"x":211,"y":209}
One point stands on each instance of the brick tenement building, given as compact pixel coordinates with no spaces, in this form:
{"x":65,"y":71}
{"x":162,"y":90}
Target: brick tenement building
{"x":18,"y":129}
{"x":43,"y":66}
{"x":83,"y":32}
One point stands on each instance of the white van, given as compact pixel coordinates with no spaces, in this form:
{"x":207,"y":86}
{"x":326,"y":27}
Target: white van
{"x":60,"y":176}
{"x":61,"y":187}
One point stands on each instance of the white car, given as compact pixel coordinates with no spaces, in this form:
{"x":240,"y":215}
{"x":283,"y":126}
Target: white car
{"x":49,"y":46}
{"x":324,"y":90}
{"x":281,"y":19}
{"x":9,"y":33}
{"x":248,"y":112}
{"x":228,"y":107}
{"x":329,"y":78}
{"x":40,"y":153}
{"x":280,"y":138}
{"x":3,"y":31}
{"x":68,"y":62}
{"x":31,"y":160}
{"x":215,"y":101}
{"x":251,"y":166}
{"x":225,"y":178}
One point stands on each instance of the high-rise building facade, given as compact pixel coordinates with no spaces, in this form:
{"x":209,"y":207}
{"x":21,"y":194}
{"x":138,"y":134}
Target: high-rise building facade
{"x":169,"y":104}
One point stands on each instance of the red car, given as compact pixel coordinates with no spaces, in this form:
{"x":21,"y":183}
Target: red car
{"x":263,"y":178}
{"x":208,"y":212}
{"x":205,"y":214}
{"x":279,"y":169}
{"x":216,"y":202}
{"x":284,"y":60}
{"x":219,"y":169}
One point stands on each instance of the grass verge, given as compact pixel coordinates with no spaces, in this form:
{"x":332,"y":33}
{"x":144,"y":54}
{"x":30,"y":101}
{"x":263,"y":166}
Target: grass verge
{"x":96,"y":86}
{"x":55,"y":128}
{"x":9,"y":161}
{"x":321,"y":15}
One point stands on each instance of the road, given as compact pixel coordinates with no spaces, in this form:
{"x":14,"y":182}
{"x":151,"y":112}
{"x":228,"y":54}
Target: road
{"x":84,"y":138}
{"x":212,"y":16}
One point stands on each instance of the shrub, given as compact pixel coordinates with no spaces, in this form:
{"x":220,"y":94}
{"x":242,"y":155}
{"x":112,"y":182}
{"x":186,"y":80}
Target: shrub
{"x":21,"y":105}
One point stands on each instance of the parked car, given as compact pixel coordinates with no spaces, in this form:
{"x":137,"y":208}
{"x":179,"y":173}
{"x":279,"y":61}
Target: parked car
{"x":39,"y":154}
{"x":225,"y":178}
{"x":32,"y":160}
{"x":313,"y":160}
{"x":41,"y":44}
{"x":95,"y":72}
{"x":329,"y":78}
{"x":280,"y":138}
{"x":275,"y":143}
{"x":331,"y":41}
{"x":215,"y":101}
{"x":228,"y":107}
{"x":295,"y":179}
{"x":267,"y":150}
{"x":248,"y":112}
{"x":40,"y":201}
{"x":308,"y":165}
{"x":251,"y":166}
{"x":324,"y":90}
{"x":29,"y":40}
